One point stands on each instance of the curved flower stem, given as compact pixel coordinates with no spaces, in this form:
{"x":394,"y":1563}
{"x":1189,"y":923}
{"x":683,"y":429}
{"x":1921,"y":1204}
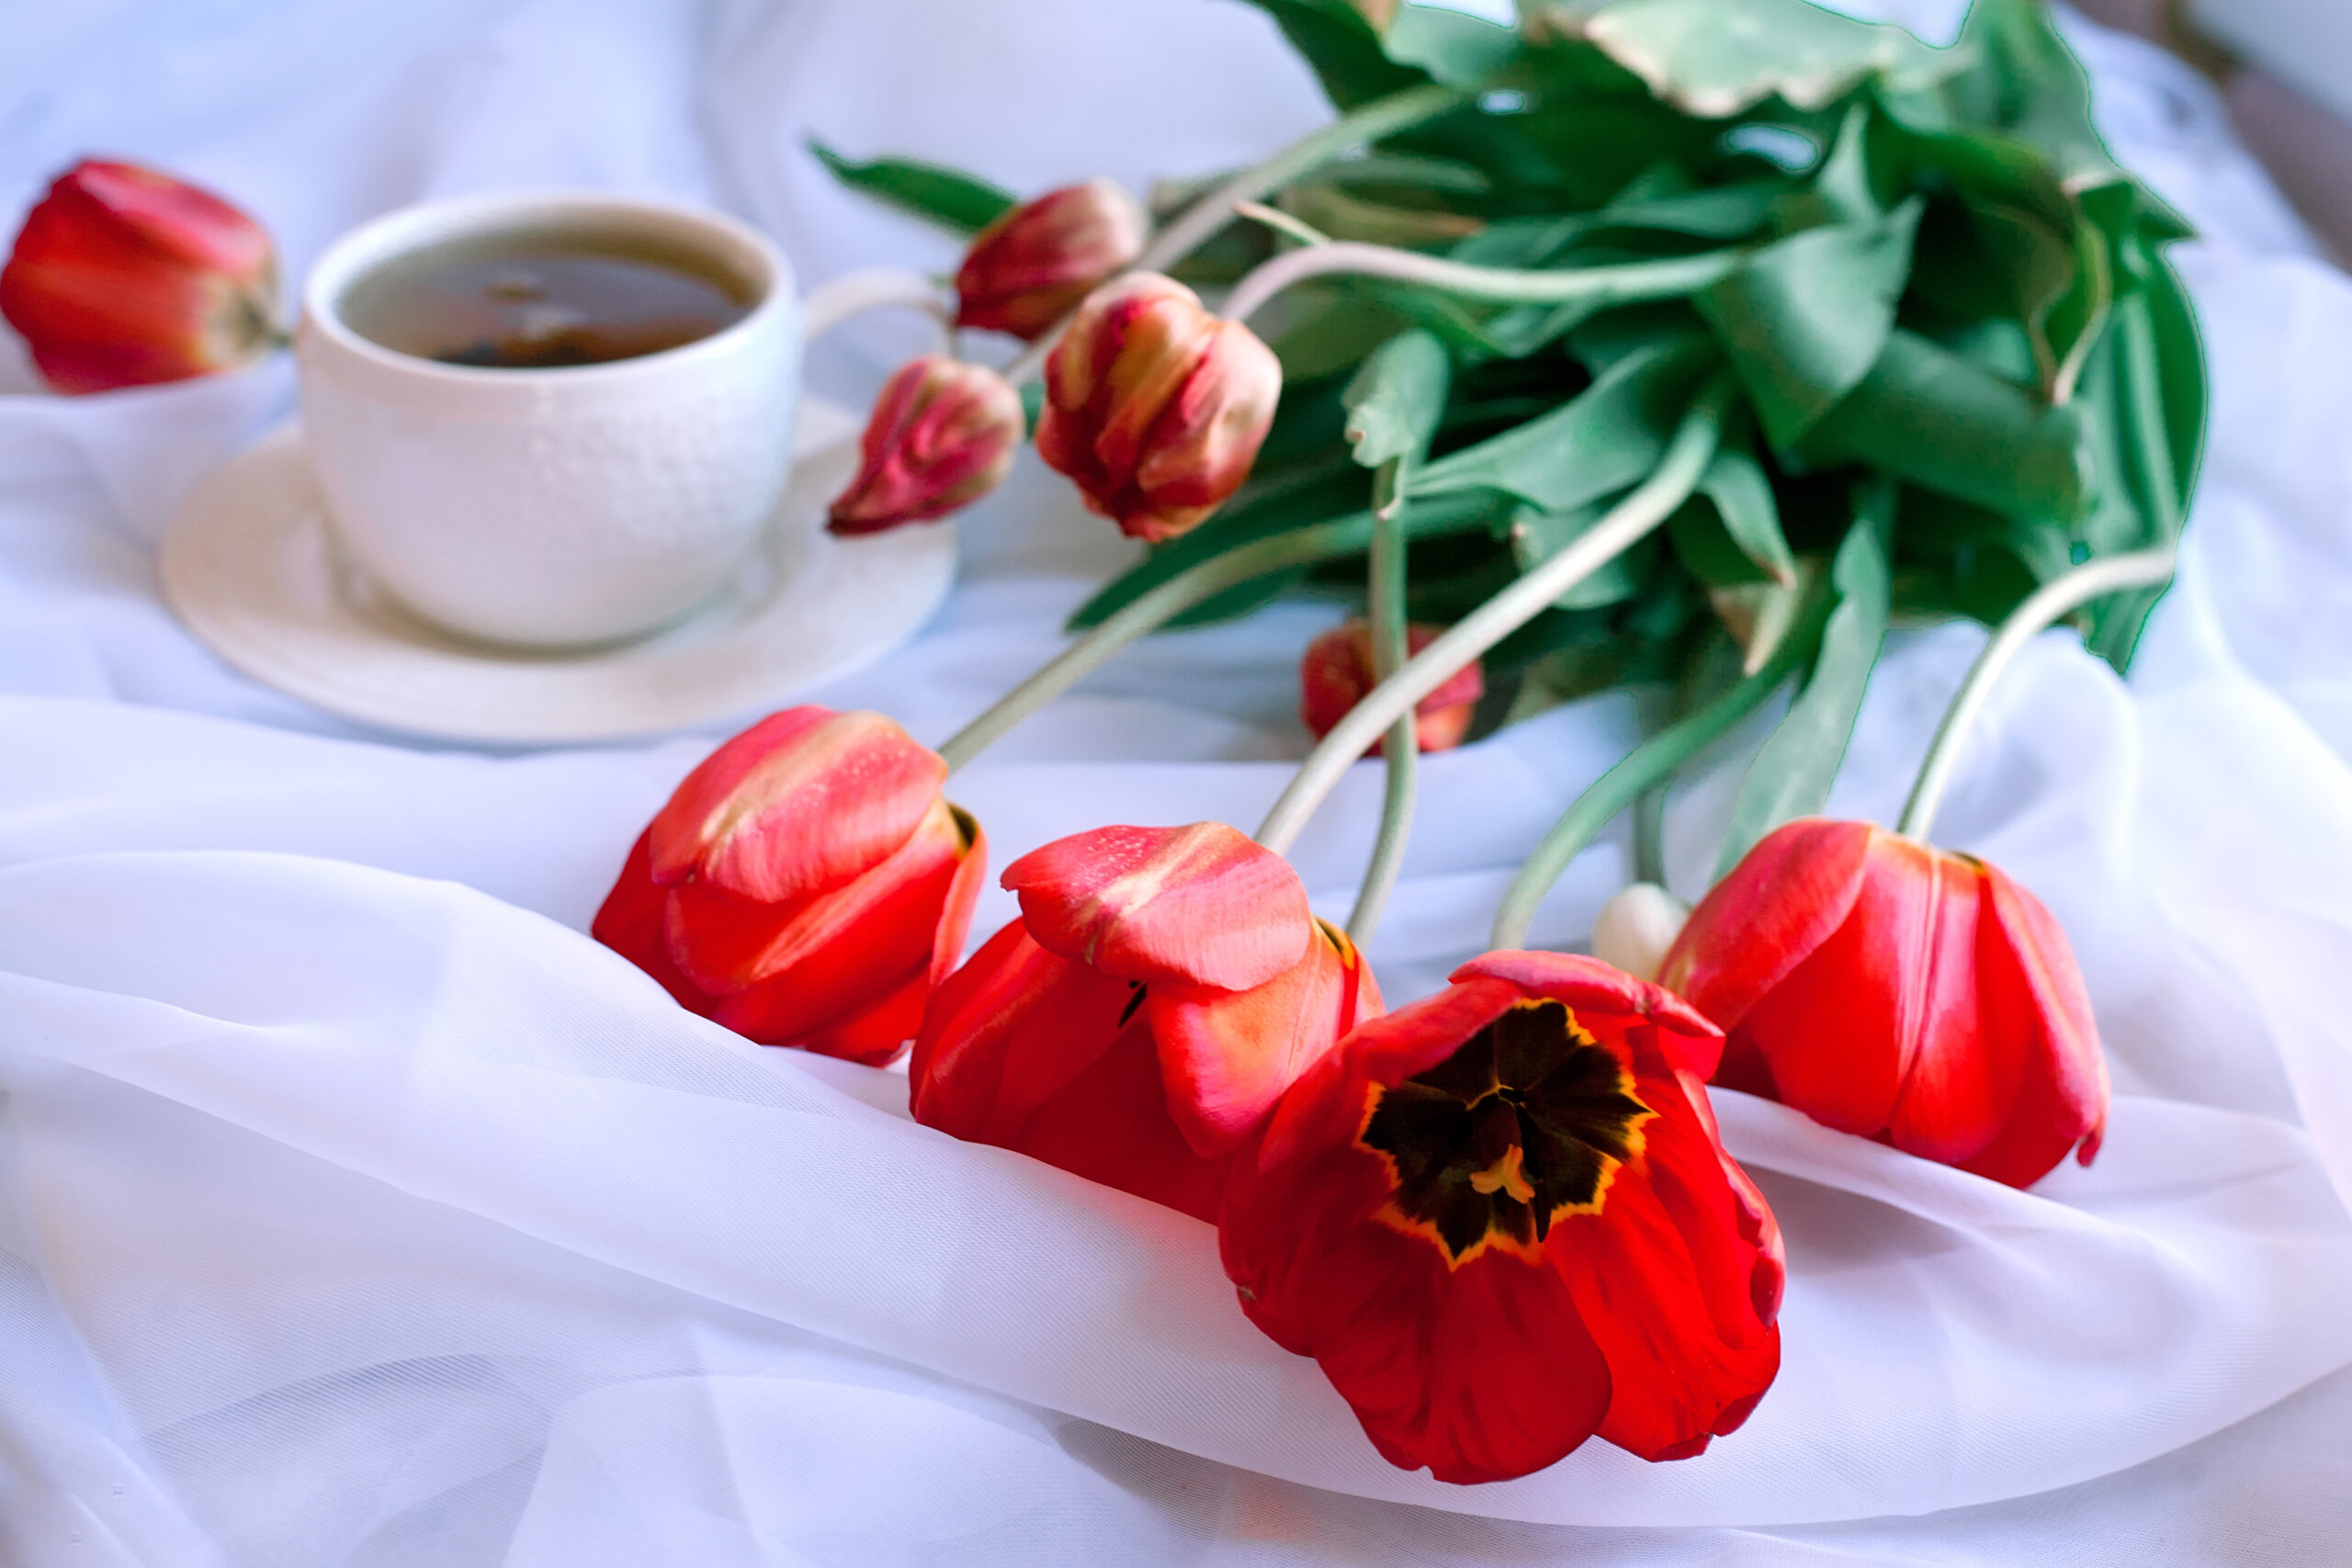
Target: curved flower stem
{"x":1362,"y":127}
{"x":1643,"y":771}
{"x":1401,"y":749}
{"x":1650,"y":504}
{"x":2140,"y":568}
{"x":1199,"y":222}
{"x":1624,"y":284}
{"x":1144,"y":613}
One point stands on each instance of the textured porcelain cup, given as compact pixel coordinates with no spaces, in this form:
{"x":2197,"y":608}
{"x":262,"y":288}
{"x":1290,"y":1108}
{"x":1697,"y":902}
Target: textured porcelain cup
{"x":565,"y":506}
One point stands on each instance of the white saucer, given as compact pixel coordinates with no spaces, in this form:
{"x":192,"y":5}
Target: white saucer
{"x":250,"y":565}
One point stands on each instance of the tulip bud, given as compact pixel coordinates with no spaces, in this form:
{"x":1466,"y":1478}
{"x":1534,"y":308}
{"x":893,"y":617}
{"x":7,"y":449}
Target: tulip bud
{"x":1637,"y":926}
{"x":806,"y":886}
{"x":942,"y":436}
{"x":122,"y":277}
{"x":1338,"y":671}
{"x":1154,"y":407}
{"x":1031,"y":268}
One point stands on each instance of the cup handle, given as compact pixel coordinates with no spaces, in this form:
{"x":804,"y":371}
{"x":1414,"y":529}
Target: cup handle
{"x":869,"y":289}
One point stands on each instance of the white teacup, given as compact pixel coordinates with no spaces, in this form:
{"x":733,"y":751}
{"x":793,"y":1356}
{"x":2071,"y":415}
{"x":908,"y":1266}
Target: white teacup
{"x":565,"y":506}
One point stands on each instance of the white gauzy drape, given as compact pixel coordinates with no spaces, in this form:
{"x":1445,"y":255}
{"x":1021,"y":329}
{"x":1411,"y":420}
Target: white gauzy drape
{"x":356,"y":1209}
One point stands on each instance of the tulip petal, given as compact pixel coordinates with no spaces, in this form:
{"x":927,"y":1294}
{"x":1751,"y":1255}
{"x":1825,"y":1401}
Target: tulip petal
{"x":1839,"y":1031}
{"x":798,"y":803}
{"x":1960,"y":1077}
{"x":1778,"y":904}
{"x":1225,"y":1056}
{"x":875,"y":1037}
{"x":1110,"y":1123}
{"x":1201,"y":905}
{"x":629,"y":922}
{"x":1006,"y":1033}
{"x":2033,"y":992}
{"x":1665,"y":1280}
{"x":1480,"y":1374}
{"x":1588,"y":984}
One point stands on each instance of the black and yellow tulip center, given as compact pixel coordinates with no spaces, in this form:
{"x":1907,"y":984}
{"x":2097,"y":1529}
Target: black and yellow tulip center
{"x":1528,"y":1122}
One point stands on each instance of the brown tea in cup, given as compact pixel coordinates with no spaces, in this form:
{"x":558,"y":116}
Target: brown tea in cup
{"x":530,"y":301}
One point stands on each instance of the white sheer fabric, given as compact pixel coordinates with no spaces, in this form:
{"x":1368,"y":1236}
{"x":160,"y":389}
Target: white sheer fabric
{"x":355,"y":1208}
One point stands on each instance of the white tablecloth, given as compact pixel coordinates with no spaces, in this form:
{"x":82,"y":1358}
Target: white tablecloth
{"x":355,"y":1208}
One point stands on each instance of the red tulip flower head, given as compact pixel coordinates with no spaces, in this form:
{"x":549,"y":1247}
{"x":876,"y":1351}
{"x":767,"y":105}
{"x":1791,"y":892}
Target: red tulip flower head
{"x":1889,"y":988}
{"x":1162,"y":988}
{"x":122,"y":277}
{"x":806,"y":886}
{"x":942,"y":436}
{"x":1502,"y":1221}
{"x":1154,"y":407}
{"x":1026,"y":270}
{"x":1338,"y":671}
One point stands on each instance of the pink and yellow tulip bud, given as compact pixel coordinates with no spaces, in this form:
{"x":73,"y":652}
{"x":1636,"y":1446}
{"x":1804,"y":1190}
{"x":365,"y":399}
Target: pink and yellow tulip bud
{"x":122,"y":278}
{"x":1336,"y":672}
{"x":942,"y":436}
{"x":1030,"y":267}
{"x":1154,"y":407}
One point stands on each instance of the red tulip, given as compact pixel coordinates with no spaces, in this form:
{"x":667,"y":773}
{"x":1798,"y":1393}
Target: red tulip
{"x":943,"y":434}
{"x":1338,"y":671}
{"x":1502,"y":1221}
{"x":1030,"y":267}
{"x":122,"y":277}
{"x":1888,"y":988}
{"x":1160,"y":989}
{"x":806,"y":886}
{"x":1154,"y":407}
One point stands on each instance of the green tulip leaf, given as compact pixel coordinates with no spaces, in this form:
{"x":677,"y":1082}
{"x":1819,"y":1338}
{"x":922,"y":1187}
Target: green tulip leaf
{"x":1457,"y":49}
{"x":1714,"y":58}
{"x":1397,"y":398}
{"x":1746,"y":520}
{"x":1342,"y":49}
{"x":1927,"y":415}
{"x":1803,"y":320}
{"x":948,"y":198}
{"x":1607,"y":437}
{"x":1537,"y":535}
{"x":1792,"y":776}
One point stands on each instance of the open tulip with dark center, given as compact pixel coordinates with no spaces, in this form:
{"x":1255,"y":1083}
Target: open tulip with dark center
{"x":1501,"y":1219}
{"x":806,"y":886}
{"x":1890,"y":988}
{"x":1154,"y":407}
{"x":1162,"y":988}
{"x":122,"y":277}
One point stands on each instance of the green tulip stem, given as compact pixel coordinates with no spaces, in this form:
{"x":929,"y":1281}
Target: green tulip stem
{"x":1644,"y":772}
{"x":1627,"y":283}
{"x":1199,"y":223}
{"x":1401,"y":749}
{"x":1676,"y":477}
{"x":2068,"y":591}
{"x":1382,"y":118}
{"x":1147,"y":613}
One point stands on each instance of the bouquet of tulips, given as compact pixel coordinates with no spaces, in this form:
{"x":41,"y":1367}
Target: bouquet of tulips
{"x":1671,"y":344}
{"x":1679,"y":343}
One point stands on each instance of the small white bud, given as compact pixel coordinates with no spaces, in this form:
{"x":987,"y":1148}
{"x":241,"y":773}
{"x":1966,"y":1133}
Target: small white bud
{"x":1637,"y":926}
